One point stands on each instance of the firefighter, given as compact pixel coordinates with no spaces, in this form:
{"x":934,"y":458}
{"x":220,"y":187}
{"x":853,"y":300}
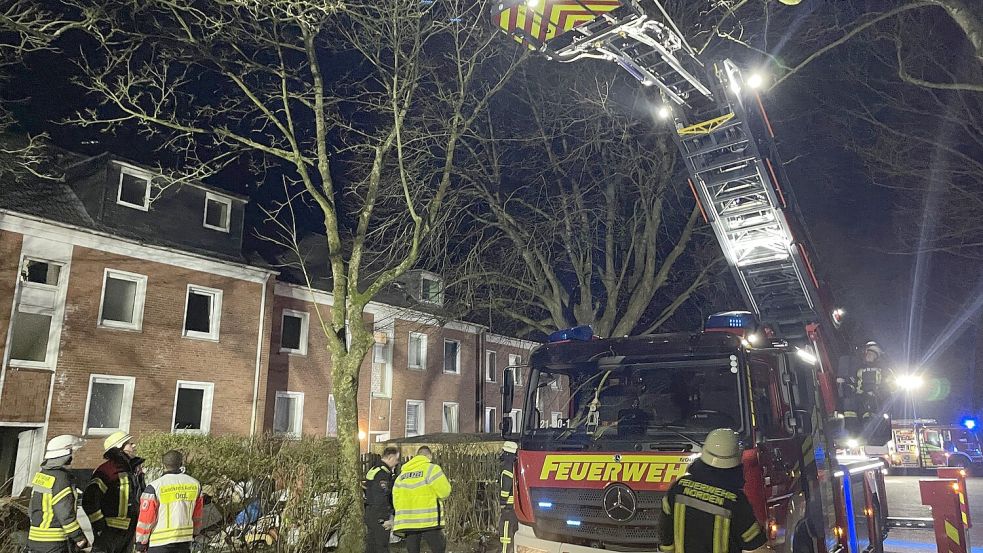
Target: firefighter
{"x":378,"y":487}
{"x":507,"y":522}
{"x":869,"y":373}
{"x":170,"y":510}
{"x":54,"y":528}
{"x":706,"y":511}
{"x":418,"y":496}
{"x":112,"y":498}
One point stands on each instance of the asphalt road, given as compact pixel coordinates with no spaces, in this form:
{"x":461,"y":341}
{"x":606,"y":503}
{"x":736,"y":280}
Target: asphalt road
{"x":904,"y":501}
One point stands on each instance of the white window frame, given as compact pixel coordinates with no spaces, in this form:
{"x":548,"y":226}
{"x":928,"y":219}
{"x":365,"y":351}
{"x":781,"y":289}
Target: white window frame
{"x":123,"y":170}
{"x":555,"y":418}
{"x":423,"y":351}
{"x":210,"y":197}
{"x":516,"y":415}
{"x":305,"y":319}
{"x":491,"y":372}
{"x":332,"y":406}
{"x":457,"y":360}
{"x":489,"y":424}
{"x":457,"y":415}
{"x":215,"y":315}
{"x":386,"y":368}
{"x":421,"y":418}
{"x":129,"y":383}
{"x":139,"y":300}
{"x":297,"y":432}
{"x":206,"y":406}
{"x":515,"y":361}
{"x":440,"y":289}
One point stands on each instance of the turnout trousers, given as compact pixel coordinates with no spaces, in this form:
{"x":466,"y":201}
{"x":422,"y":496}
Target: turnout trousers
{"x":507,"y":525}
{"x":434,"y":538}
{"x":114,"y":540}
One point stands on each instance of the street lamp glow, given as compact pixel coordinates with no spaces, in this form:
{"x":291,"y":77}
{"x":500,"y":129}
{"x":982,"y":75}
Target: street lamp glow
{"x":756,"y":80}
{"x":909,"y":382}
{"x":664,"y":112}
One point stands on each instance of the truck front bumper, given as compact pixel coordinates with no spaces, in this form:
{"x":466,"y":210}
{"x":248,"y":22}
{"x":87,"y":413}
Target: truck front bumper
{"x":526,"y":542}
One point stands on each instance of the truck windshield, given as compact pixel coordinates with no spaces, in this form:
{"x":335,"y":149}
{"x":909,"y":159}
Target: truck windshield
{"x":674,"y":401}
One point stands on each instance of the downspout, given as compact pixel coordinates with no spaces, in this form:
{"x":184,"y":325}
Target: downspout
{"x":479,"y":400}
{"x":259,"y":356}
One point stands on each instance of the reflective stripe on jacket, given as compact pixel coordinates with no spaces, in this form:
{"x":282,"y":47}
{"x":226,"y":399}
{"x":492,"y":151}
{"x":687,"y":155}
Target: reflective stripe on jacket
{"x":52,"y":509}
{"x":170,"y":510}
{"x":418,"y":496}
{"x":506,"y":480}
{"x":113,"y":494}
{"x":378,"y":485}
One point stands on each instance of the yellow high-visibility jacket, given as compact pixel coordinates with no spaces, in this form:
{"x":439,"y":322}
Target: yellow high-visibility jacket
{"x":418,"y":496}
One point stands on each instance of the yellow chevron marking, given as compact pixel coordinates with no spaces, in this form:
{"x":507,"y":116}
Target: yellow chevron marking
{"x":951,"y":531}
{"x":706,"y":127}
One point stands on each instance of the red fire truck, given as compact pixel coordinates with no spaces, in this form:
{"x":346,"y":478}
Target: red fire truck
{"x":924,"y":443}
{"x":626,"y":415}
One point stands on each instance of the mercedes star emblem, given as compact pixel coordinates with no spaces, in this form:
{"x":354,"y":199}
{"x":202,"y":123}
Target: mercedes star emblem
{"x":619,"y":502}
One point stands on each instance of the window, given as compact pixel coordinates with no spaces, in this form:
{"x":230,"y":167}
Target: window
{"x":416,"y":356}
{"x":108,"y":404}
{"x":491,"y":365}
{"x":332,"y":417}
{"x":514,"y":362}
{"x":217,"y":212}
{"x":193,"y":407}
{"x":202,"y":313}
{"x":29,"y":336}
{"x":134,"y":189}
{"x":414,"y":418}
{"x":123,"y":296}
{"x":450,"y":419}
{"x":288,"y":414}
{"x":516,"y":416}
{"x":293,"y":331}
{"x":431,"y":290}
{"x":40,"y":272}
{"x":490,"y":420}
{"x":452,"y":356}
{"x":556,"y":419}
{"x":382,"y":366}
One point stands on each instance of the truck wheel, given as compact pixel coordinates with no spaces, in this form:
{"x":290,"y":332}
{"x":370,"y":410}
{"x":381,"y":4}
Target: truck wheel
{"x":961,"y":462}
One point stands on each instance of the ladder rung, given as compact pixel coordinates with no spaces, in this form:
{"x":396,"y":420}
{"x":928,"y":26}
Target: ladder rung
{"x":713,"y":147}
{"x":749,"y":172}
{"x":747,"y":210}
{"x":725,"y":161}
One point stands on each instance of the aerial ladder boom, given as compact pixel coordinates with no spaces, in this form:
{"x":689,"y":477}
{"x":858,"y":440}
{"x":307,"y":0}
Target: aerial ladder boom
{"x":722,"y":132}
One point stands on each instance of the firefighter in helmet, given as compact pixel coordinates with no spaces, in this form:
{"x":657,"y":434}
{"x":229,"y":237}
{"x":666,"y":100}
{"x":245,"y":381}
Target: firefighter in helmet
{"x":54,"y":528}
{"x":112,"y":498}
{"x":706,"y":509}
{"x":870,"y":372}
{"x":507,"y":522}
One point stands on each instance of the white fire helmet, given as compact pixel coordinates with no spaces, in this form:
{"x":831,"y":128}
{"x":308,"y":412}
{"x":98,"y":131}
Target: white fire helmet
{"x":63,"y":445}
{"x":721,"y":450}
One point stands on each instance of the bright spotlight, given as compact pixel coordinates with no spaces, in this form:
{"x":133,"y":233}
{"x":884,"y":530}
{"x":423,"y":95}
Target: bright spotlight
{"x":909,"y":382}
{"x":969,"y":423}
{"x":852,"y":443}
{"x":664,"y":112}
{"x":806,"y":356}
{"x":361,"y":435}
{"x":755,"y":81}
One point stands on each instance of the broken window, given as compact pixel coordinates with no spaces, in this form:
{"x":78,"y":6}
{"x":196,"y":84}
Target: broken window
{"x":193,"y":407}
{"x":293,"y":332}
{"x":217,"y":210}
{"x":40,"y":272}
{"x":134,"y":191}
{"x":202,"y":313}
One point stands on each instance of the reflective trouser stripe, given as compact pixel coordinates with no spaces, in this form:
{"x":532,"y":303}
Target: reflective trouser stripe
{"x":679,"y":527}
{"x":505,"y":539}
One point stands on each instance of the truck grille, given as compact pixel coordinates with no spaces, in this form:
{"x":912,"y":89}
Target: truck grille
{"x":555,"y":509}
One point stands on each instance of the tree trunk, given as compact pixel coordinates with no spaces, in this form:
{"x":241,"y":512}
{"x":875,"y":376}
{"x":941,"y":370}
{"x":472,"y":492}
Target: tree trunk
{"x":346,"y":365}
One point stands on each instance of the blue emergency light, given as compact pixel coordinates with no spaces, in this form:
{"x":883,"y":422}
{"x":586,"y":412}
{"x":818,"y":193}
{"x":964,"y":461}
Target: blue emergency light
{"x":731,"y":320}
{"x":969,"y":423}
{"x":582,"y":333}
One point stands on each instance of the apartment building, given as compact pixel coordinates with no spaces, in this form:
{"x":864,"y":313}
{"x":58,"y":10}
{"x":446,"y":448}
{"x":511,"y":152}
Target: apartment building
{"x":133,"y":308}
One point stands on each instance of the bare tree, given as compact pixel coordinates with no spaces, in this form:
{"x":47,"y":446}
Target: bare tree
{"x":361,"y":107}
{"x":579,"y":213}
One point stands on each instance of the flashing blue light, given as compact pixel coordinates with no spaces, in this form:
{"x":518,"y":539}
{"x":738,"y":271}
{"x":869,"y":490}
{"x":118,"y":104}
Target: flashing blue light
{"x":545,"y":505}
{"x":732,"y":319}
{"x":573,"y":523}
{"x":582,"y":333}
{"x":969,"y":423}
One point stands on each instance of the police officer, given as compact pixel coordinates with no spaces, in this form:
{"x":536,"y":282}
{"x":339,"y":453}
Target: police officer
{"x":706,"y":511}
{"x":112,"y":498}
{"x":507,"y":522}
{"x":418,"y":498}
{"x":378,"y":487}
{"x":54,"y":528}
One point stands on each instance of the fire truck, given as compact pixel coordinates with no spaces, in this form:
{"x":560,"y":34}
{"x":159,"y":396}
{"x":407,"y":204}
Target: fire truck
{"x":924,"y":443}
{"x":627,"y":415}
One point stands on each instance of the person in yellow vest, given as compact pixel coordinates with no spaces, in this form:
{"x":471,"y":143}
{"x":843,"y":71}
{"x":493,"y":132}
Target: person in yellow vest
{"x":418,"y":496}
{"x":170,"y":510}
{"x":111,"y":499}
{"x":507,"y":521}
{"x":54,"y":528}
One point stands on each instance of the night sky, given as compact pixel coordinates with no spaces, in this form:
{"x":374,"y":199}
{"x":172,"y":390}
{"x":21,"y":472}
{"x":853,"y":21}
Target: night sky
{"x":852,"y":221}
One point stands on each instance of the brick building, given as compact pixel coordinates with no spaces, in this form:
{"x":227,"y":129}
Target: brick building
{"x":132,"y":307}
